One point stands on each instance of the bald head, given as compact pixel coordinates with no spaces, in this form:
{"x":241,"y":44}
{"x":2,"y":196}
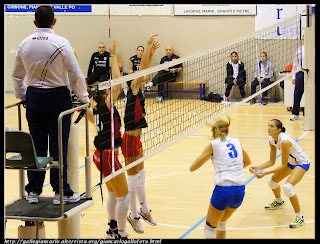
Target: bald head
{"x":101,"y":48}
{"x":169,"y":50}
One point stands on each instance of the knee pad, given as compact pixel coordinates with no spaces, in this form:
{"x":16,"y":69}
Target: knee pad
{"x":133,"y":181}
{"x":209,"y":231}
{"x":142,"y":178}
{"x":288,"y":190}
{"x":272,"y":184}
{"x":222,"y":226}
{"x":123,"y":204}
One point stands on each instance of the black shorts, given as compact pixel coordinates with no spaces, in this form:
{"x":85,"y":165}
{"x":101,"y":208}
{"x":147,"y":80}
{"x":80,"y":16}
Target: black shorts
{"x":94,"y":77}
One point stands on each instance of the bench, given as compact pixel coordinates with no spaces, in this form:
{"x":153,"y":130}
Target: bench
{"x":193,"y":86}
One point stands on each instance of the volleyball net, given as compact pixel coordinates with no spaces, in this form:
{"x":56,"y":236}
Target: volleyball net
{"x":183,"y":109}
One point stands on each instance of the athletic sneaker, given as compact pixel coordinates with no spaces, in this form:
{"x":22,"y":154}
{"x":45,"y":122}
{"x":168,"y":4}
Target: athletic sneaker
{"x":147,"y":87}
{"x":32,"y":197}
{"x":147,"y":217}
{"x":111,"y":233}
{"x":297,"y":222}
{"x":135,"y":223}
{"x":274,"y":205}
{"x":119,"y":237}
{"x":66,"y":199}
{"x":294,"y":117}
{"x":159,"y":99}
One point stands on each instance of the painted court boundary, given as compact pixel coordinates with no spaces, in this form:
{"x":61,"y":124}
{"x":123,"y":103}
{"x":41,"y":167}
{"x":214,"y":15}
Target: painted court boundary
{"x":248,"y":181}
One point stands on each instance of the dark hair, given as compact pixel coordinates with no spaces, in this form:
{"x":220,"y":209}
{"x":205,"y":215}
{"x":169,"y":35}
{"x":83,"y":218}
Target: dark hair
{"x":101,"y":96}
{"x":233,"y":53}
{"x":44,"y":16}
{"x":279,"y":125}
{"x":140,"y":46}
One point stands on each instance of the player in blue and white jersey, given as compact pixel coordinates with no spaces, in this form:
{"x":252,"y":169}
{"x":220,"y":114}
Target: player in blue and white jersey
{"x":229,"y":159}
{"x":295,"y":163}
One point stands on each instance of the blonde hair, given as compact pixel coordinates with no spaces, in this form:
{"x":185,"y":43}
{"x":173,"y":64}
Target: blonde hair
{"x":220,"y":128}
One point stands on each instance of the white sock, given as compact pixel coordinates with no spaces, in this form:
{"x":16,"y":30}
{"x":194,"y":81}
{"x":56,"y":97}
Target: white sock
{"x":141,"y":192}
{"x":111,"y":206}
{"x":132,"y":185}
{"x":299,"y":215}
{"x":121,"y":212}
{"x":278,"y":200}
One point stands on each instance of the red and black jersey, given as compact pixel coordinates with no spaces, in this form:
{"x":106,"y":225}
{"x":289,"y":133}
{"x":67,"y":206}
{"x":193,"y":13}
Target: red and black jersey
{"x":102,"y":141}
{"x":136,"y":63}
{"x":135,"y":112}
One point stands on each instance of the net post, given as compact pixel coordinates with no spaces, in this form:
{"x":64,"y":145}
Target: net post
{"x":309,"y":78}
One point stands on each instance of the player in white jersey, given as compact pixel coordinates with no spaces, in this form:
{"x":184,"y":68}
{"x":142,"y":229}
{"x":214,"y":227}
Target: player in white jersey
{"x":292,"y":155}
{"x":229,"y":159}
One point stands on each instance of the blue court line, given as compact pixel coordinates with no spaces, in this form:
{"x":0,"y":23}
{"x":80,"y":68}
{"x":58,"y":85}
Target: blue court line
{"x":204,"y":218}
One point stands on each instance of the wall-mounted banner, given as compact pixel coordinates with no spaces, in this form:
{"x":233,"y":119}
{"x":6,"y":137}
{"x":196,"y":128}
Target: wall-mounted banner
{"x":214,"y":9}
{"x":276,"y":13}
{"x":57,"y":8}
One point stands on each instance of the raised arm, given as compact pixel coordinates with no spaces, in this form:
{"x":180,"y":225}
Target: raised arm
{"x":115,"y":74}
{"x":144,"y":64}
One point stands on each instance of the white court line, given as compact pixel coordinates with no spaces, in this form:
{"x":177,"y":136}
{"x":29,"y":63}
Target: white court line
{"x":235,"y":228}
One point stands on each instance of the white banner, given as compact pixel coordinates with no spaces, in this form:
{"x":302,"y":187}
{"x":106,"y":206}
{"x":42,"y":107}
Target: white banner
{"x":214,"y":9}
{"x":276,"y":13}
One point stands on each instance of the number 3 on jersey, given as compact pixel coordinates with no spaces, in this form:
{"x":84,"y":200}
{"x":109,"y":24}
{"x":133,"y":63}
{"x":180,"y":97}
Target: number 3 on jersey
{"x":233,"y":152}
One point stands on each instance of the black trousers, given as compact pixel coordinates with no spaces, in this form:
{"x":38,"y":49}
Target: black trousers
{"x":43,"y":107}
{"x":255,"y":83}
{"x":298,"y":92}
{"x":161,"y":78}
{"x":229,"y":82}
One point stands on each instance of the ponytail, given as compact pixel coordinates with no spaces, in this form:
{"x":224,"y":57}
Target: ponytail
{"x":220,"y":128}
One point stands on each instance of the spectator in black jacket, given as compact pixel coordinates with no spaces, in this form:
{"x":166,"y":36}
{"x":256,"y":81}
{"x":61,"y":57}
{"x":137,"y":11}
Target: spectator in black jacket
{"x":166,"y":75}
{"x":236,"y":75}
{"x":99,"y":65}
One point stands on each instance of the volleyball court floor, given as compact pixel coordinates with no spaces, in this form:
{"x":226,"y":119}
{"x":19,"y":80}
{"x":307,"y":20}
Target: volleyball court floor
{"x":178,"y":198}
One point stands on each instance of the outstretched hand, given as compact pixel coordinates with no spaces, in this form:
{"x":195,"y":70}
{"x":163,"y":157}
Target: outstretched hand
{"x":154,"y":46}
{"x":151,"y":37}
{"x":253,"y":169}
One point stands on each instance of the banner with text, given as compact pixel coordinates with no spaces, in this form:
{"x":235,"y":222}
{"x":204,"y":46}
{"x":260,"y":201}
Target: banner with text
{"x":57,"y":8}
{"x":214,"y":9}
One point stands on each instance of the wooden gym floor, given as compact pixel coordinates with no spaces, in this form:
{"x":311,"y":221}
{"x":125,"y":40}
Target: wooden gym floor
{"x":179,"y":199}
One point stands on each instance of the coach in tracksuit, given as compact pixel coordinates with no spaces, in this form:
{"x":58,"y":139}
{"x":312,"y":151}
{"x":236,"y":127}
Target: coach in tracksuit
{"x":46,"y":64}
{"x":99,"y":65}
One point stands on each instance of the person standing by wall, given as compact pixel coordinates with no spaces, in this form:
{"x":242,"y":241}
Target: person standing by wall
{"x":298,"y":81}
{"x":99,"y":65}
